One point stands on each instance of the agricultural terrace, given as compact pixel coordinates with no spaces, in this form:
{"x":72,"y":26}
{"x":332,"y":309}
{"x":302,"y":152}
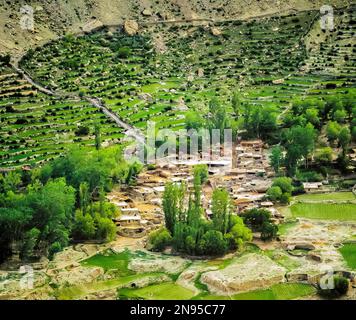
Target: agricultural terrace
{"x":36,"y":127}
{"x":165,"y":71}
{"x":158,"y":74}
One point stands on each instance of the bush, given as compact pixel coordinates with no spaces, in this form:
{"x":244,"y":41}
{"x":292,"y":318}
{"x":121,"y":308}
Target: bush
{"x":284,"y":183}
{"x":213,"y":243}
{"x":309,"y":176}
{"x":30,"y":241}
{"x":5,"y":59}
{"x":82,"y":131}
{"x":106,"y":229}
{"x":268,"y":231}
{"x":274,"y":193}
{"x":123,"y":53}
{"x":84,"y":226}
{"x":255,"y":218}
{"x":160,"y":239}
{"x":285,"y":198}
{"x":53,"y":249}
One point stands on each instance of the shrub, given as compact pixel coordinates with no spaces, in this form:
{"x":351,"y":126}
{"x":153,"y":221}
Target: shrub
{"x":255,"y":218}
{"x":160,"y":239}
{"x":106,"y":229}
{"x":53,"y":249}
{"x":84,"y":226}
{"x":82,"y":131}
{"x":285,"y":198}
{"x":214,"y":243}
{"x":274,"y":193}
{"x":268,"y":231}
{"x":123,"y":53}
{"x":284,"y":183}
{"x":309,"y":176}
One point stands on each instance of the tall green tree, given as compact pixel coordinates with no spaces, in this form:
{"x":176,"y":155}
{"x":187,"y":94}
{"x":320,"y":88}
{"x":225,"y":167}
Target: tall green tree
{"x":221,"y":208}
{"x":276,"y":158}
{"x":97,"y":132}
{"x":84,"y":197}
{"x":299,"y":143}
{"x":172,"y":202}
{"x":344,"y":139}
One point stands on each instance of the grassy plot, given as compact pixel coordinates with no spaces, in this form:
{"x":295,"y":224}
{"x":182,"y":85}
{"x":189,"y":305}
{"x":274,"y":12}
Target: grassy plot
{"x":284,"y":227}
{"x":108,"y":261}
{"x":336,"y":196}
{"x":348,"y":251}
{"x":78,"y":291}
{"x":163,"y":291}
{"x":115,"y":261}
{"x":324,"y":211}
{"x":281,"y":291}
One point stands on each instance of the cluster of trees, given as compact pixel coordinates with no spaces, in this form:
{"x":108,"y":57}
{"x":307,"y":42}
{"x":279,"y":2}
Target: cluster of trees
{"x":304,"y":123}
{"x":41,"y":211}
{"x":38,"y":219}
{"x":297,"y":143}
{"x":217,"y":117}
{"x":281,"y":190}
{"x":186,"y":228}
{"x":295,"y":134}
{"x":255,"y":121}
{"x":259,"y":220}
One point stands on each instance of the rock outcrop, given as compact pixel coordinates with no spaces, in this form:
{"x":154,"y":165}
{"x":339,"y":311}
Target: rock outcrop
{"x":131,"y":27}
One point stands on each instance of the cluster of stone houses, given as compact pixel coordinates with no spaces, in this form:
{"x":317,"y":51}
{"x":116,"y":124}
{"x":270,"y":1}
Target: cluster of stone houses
{"x":247,"y":177}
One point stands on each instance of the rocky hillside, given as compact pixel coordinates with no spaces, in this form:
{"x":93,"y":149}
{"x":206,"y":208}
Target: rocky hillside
{"x":53,"y":18}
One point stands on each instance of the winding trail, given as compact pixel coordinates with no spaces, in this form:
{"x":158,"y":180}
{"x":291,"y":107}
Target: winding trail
{"x":96,"y":102}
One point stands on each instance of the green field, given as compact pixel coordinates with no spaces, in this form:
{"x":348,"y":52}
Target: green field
{"x":282,"y":291}
{"x":323,"y":211}
{"x":78,"y":291}
{"x":118,"y":261}
{"x":164,"y":291}
{"x":336,"y":196}
{"x":348,"y":251}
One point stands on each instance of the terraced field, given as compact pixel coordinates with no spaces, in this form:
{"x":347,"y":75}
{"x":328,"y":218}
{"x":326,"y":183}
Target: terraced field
{"x":37,"y":127}
{"x":159,"y":73}
{"x":348,"y":251}
{"x":163,"y":72}
{"x":323,"y":211}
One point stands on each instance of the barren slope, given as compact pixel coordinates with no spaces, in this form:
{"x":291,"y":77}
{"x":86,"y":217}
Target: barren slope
{"x":56,"y":17}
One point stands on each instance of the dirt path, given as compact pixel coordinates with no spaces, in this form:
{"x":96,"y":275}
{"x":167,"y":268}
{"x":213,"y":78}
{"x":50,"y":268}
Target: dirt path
{"x":92,"y":100}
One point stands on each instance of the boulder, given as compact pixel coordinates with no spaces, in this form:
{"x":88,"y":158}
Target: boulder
{"x":147,"y":13}
{"x":145,"y":97}
{"x":314,"y":257}
{"x":215,"y":31}
{"x":304,"y":246}
{"x":131,"y":27}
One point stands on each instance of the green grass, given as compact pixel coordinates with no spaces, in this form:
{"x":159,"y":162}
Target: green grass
{"x":284,"y":227}
{"x":115,"y":261}
{"x":163,"y":291}
{"x":282,"y":259}
{"x":348,"y":251}
{"x":78,"y":291}
{"x":109,"y":261}
{"x":323,"y":211}
{"x":336,"y":196}
{"x":282,"y":291}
